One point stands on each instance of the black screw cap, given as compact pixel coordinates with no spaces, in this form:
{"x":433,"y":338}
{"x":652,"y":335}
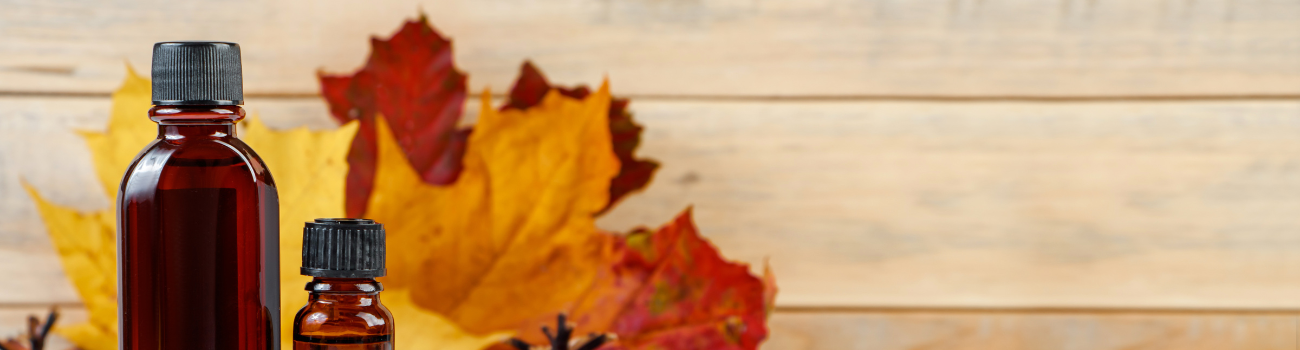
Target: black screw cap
{"x":197,"y":73}
{"x":343,"y":248}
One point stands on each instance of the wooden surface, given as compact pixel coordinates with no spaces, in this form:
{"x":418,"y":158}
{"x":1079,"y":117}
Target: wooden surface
{"x":1168,"y":205}
{"x":963,"y":206}
{"x":1006,"y":205}
{"x":1064,"y":48}
{"x":949,"y":330}
{"x":930,"y":174}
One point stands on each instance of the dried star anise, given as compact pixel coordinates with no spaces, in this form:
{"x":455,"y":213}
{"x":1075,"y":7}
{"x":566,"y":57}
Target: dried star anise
{"x":563,"y":339}
{"x":37,"y":332}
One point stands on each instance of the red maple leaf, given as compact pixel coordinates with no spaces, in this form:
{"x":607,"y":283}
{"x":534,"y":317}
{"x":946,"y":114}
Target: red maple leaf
{"x":411,"y":81}
{"x":671,"y":289}
{"x":688,"y":297}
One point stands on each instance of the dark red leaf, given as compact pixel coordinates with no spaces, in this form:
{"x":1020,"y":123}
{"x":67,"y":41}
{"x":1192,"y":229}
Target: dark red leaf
{"x":633,"y":174}
{"x":529,"y":88}
{"x":410,"y":80}
{"x":334,"y":88}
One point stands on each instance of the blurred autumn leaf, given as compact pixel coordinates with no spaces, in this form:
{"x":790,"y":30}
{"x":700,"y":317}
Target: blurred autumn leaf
{"x":671,"y":289}
{"x":129,"y":131}
{"x":408,"y":78}
{"x":512,"y":240}
{"x":309,"y":169}
{"x":86,"y":246}
{"x":514,"y":237}
{"x":633,"y":174}
{"x":86,"y":242}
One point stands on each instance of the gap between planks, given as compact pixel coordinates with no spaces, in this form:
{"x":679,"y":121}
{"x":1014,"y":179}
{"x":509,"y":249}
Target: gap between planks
{"x":1031,"y":310}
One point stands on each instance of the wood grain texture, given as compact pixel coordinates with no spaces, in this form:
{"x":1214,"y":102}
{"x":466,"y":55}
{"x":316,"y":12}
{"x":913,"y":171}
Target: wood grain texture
{"x":1020,"y":205}
{"x":714,"y":48}
{"x":1031,"y":331}
{"x":1000,"y":205}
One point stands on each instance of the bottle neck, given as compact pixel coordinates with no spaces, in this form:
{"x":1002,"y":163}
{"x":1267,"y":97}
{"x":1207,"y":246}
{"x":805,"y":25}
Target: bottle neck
{"x":322,"y":288}
{"x":176,"y":123}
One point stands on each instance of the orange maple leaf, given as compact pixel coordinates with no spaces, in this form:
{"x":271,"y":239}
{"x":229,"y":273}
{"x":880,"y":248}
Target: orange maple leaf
{"x":633,"y":174}
{"x":513,"y":241}
{"x":515,"y":235}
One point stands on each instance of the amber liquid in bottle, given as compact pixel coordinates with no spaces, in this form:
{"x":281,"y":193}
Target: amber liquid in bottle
{"x":343,"y":314}
{"x":198,"y":248}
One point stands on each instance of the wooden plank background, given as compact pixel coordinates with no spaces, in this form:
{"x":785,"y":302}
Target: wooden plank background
{"x":929,"y":174}
{"x":1066,"y":48}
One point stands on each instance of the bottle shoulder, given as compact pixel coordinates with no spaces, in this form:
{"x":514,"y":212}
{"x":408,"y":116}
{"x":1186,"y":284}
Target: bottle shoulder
{"x":229,"y":153}
{"x":254,"y":161}
{"x":344,"y":316}
{"x":195,"y":163}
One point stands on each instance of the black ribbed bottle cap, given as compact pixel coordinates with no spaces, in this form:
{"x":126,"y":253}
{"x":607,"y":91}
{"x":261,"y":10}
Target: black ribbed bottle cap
{"x":197,"y":73}
{"x":343,"y":248}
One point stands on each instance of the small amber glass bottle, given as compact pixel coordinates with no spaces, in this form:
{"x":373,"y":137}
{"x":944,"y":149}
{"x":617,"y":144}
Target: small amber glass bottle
{"x":343,"y":311}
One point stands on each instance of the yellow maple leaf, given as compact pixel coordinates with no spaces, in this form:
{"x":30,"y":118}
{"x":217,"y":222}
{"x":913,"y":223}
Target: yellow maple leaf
{"x":421,"y":329}
{"x":514,"y":237}
{"x":309,"y":168}
{"x":85,"y":244}
{"x":129,"y":131}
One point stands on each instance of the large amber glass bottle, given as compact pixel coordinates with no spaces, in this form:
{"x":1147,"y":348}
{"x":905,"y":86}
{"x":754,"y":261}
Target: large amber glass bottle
{"x":198,"y":256}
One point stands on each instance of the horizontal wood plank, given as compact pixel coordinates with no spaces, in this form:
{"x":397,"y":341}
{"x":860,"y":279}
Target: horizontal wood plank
{"x":1000,"y":205}
{"x":1162,"y":205}
{"x":1030,"y":331}
{"x":702,"y":48}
